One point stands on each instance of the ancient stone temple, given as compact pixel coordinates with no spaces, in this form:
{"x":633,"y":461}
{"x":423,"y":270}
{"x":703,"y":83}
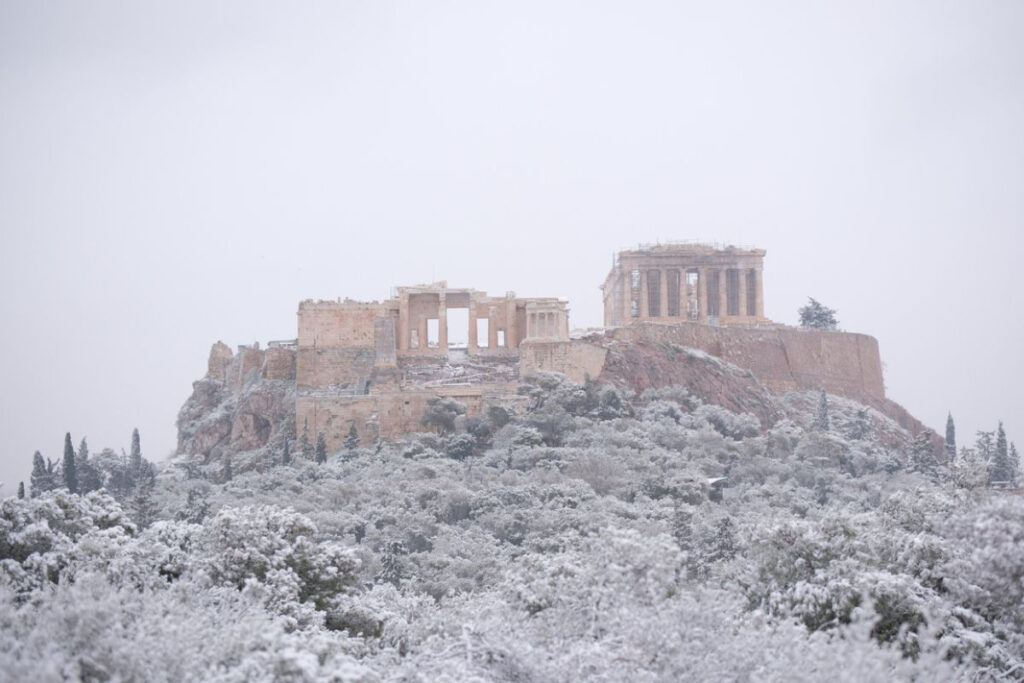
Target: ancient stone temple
{"x":685,"y":282}
{"x":374,"y":364}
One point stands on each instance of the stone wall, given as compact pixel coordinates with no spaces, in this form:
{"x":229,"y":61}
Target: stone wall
{"x":782,"y":358}
{"x":577,"y":360}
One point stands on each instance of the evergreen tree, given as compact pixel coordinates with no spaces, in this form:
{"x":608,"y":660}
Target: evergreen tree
{"x":68,"y":470}
{"x":227,"y":468}
{"x":141,"y":505}
{"x":89,"y":477}
{"x":352,"y":440}
{"x":41,"y":478}
{"x":321,"y":448}
{"x":286,"y":454}
{"x":1014,"y":464}
{"x":817,"y":316}
{"x":305,"y":444}
{"x":135,"y":457}
{"x":922,"y":456}
{"x":821,"y":421}
{"x":391,"y":565}
{"x":1000,"y":470}
{"x":950,"y":438}
{"x":21,"y":490}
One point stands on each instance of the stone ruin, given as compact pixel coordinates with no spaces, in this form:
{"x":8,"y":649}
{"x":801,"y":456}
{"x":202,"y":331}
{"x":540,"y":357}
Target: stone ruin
{"x":375,"y":365}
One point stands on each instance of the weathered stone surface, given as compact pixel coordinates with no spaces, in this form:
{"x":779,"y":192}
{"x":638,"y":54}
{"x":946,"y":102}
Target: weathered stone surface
{"x":374,"y":365}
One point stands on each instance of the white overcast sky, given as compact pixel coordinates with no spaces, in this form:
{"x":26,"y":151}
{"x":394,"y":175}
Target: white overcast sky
{"x":173,"y":174}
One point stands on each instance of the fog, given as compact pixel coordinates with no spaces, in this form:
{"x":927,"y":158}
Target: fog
{"x":173,"y":174}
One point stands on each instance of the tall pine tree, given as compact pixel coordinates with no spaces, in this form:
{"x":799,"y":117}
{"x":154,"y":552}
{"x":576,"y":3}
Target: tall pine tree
{"x":950,"y":438}
{"x":70,"y":473}
{"x":1000,"y":471}
{"x":41,"y":478}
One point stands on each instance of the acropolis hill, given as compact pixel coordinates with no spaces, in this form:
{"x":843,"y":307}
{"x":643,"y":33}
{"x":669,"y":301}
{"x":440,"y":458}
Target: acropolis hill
{"x":375,"y":365}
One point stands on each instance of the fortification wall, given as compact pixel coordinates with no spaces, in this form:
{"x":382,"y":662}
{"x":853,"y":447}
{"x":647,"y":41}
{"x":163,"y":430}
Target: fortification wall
{"x":331,"y":323}
{"x":392,"y":414}
{"x":782,"y":358}
{"x":577,"y":360}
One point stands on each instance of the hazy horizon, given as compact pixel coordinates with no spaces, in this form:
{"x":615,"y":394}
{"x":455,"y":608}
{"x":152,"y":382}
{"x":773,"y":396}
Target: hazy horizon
{"x":176,"y":174}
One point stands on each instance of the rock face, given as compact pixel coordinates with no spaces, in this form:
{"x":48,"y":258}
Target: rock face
{"x":248,"y":398}
{"x":242,"y":403}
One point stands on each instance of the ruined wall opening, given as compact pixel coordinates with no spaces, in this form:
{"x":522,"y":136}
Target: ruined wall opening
{"x":672,"y":278}
{"x":483,"y":329}
{"x":432,"y":333}
{"x":732,"y":291}
{"x":752,"y":292}
{"x":501,"y":339}
{"x":654,"y":293}
{"x":414,"y":339}
{"x":692,"y":296}
{"x":458,"y":328}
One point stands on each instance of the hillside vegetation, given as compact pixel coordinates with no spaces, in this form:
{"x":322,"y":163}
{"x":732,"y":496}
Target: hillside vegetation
{"x":600,"y":536}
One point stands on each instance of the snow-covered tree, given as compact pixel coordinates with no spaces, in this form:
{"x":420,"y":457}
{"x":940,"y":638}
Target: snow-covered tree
{"x":817,"y":316}
{"x":42,"y":477}
{"x":950,"y":438}
{"x":821,"y":419}
{"x":352,"y":440}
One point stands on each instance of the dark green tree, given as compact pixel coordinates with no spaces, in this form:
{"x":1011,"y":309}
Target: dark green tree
{"x":89,"y":476}
{"x":440,"y":414}
{"x":321,"y":448}
{"x":41,"y":478}
{"x":305,"y":444}
{"x":352,"y":440}
{"x":68,"y":469}
{"x":1014,"y":463}
{"x":1000,"y":471}
{"x":21,"y":490}
{"x":950,"y":438}
{"x":286,"y":454}
{"x":135,"y":455}
{"x":817,"y":316}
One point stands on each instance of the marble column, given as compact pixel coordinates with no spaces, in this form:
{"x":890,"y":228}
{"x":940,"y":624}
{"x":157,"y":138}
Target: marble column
{"x":741,"y":310}
{"x":663,"y":294}
{"x":442,"y":323}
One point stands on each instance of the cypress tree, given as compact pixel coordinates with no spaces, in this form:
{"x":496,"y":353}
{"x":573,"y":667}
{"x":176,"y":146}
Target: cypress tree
{"x":21,"y":490}
{"x":306,"y":446}
{"x":950,"y":437}
{"x":70,"y":473}
{"x":321,"y":448}
{"x":286,"y":454}
{"x":135,"y":457}
{"x":227,"y":468}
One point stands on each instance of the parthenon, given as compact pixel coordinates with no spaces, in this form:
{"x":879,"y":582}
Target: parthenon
{"x":685,"y":282}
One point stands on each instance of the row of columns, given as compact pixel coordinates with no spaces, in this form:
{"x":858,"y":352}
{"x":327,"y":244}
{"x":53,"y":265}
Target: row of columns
{"x":702,"y":293}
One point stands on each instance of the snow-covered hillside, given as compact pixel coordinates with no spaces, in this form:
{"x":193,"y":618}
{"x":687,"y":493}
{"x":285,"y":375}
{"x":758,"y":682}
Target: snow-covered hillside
{"x":600,"y":536}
